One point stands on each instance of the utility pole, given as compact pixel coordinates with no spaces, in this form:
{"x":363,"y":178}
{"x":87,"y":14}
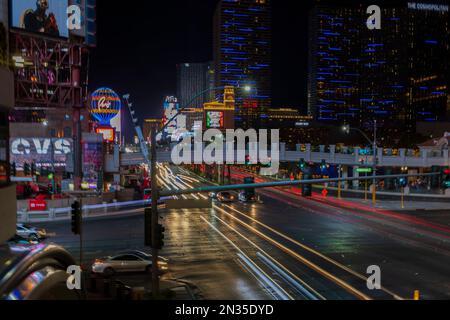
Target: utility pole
{"x":77,"y":155}
{"x":154,"y":225}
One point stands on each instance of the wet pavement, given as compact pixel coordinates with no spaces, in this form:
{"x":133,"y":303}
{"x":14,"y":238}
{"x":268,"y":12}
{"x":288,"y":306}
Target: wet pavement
{"x":287,"y":247}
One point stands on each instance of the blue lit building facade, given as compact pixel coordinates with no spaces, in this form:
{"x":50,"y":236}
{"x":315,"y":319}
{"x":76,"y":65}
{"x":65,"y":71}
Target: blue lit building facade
{"x":397,"y":75}
{"x":242,"y":56}
{"x":193,"y":78}
{"x":429,"y":45}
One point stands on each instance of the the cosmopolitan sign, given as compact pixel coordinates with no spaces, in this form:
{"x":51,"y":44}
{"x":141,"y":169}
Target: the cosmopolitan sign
{"x":40,"y":150}
{"x":428,"y":6}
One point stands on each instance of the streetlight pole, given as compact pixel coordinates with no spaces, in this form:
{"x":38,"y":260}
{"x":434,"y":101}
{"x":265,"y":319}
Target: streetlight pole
{"x":375,"y":162}
{"x":155,"y":192}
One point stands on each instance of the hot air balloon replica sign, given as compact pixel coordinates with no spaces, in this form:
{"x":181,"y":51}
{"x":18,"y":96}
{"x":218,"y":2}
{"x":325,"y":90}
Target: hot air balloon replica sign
{"x":105,"y":106}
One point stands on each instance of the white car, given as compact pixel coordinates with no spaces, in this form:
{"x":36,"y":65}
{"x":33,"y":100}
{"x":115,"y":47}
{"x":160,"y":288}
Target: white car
{"x":30,"y":233}
{"x":129,"y":261}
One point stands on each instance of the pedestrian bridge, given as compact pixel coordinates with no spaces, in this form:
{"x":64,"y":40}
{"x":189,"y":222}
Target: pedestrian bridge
{"x":349,"y":156}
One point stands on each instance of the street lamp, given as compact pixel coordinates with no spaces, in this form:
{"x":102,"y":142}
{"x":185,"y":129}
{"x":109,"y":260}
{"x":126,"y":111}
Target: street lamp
{"x":247,"y":89}
{"x":347,"y":129}
{"x":154,"y":183}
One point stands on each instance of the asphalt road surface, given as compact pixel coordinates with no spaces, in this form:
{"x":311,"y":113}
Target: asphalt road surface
{"x":285,"y":247}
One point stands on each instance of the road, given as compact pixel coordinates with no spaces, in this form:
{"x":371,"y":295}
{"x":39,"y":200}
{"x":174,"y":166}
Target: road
{"x":283,"y":248}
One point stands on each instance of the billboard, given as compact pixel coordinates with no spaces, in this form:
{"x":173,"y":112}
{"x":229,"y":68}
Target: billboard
{"x":109,"y":134}
{"x":171,"y":108}
{"x":48,"y":17}
{"x":214,"y":119}
{"x":44,"y":152}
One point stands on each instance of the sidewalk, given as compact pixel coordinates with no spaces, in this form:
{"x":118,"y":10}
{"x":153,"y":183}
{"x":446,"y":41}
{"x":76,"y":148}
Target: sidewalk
{"x":396,"y":205}
{"x":436,"y":201}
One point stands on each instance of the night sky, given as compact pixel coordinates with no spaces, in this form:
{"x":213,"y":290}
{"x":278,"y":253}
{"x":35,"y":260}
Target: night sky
{"x":140,"y":43}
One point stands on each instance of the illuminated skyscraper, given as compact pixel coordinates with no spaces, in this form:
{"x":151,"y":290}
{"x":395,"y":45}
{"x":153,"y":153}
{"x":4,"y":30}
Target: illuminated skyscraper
{"x":192,"y":79}
{"x":397,"y":75}
{"x":429,"y":59}
{"x":242,"y":55}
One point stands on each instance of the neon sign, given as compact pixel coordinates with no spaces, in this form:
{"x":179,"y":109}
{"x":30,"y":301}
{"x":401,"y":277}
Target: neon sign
{"x":428,"y":6}
{"x":105,"y":105}
{"x":214,"y":119}
{"x":107,"y":132}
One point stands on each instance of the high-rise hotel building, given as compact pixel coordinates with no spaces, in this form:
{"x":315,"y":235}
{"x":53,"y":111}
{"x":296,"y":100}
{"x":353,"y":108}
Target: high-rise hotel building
{"x":242,"y":56}
{"x":397,"y":75}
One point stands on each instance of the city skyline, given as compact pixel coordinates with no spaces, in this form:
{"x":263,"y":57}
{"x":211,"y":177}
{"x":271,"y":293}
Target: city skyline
{"x":191,"y":44}
{"x":274,"y":150}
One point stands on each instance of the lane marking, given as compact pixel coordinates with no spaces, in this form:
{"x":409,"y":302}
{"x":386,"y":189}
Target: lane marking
{"x":311,"y":250}
{"x":273,"y":260}
{"x":346,"y":286}
{"x":264,"y":276}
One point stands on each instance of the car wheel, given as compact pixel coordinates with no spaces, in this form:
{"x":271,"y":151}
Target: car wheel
{"x":109,"y":272}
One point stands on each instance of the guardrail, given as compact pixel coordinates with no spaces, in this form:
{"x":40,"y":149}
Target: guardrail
{"x":354,"y":156}
{"x":89,"y":211}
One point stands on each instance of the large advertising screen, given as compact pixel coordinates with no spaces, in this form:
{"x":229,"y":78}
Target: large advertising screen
{"x":214,"y":120}
{"x":48,"y":17}
{"x":44,"y":152}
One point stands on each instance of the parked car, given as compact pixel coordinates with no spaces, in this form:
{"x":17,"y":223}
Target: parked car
{"x":128,"y":261}
{"x":31,"y":233}
{"x":227,"y":196}
{"x":21,"y":241}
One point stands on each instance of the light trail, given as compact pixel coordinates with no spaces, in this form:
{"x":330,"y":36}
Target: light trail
{"x":346,"y":286}
{"x":282,"y":269}
{"x":315,"y":252}
{"x":264,"y":276}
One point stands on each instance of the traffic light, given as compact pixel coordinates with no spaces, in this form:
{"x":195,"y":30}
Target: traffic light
{"x":26,"y":169}
{"x":148,"y":231}
{"x":148,"y":227}
{"x":159,"y":237}
{"x":76,"y":218}
{"x":307,"y":188}
{"x":323,"y":165}
{"x":302,"y":164}
{"x":13,"y":169}
{"x":446,"y":179}
{"x":403,"y":182}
